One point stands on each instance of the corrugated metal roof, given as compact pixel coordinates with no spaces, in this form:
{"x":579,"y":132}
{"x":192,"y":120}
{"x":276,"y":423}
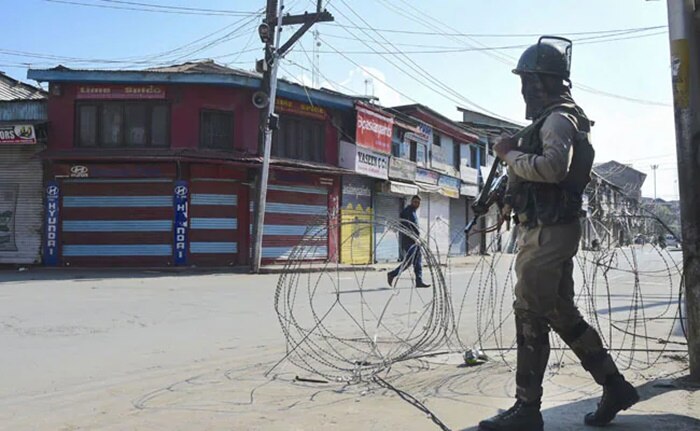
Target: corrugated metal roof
{"x":205,"y":66}
{"x":11,"y":89}
{"x":200,"y":72}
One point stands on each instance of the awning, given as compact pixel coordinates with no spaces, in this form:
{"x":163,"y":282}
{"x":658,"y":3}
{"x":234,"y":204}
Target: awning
{"x":429,"y":188}
{"x":399,"y":188}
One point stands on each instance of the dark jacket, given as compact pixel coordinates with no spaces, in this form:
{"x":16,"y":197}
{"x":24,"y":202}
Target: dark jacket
{"x":409,"y":221}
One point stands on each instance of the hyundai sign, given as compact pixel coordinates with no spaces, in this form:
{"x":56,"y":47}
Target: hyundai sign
{"x":181,"y":193}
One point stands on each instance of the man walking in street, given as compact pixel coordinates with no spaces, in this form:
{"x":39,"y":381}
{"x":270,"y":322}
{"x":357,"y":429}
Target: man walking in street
{"x":410,"y":244}
{"x":548,"y":171}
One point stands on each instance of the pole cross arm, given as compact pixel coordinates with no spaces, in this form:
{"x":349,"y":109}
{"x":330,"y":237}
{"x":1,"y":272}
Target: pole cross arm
{"x":309,"y":20}
{"x":303,"y":18}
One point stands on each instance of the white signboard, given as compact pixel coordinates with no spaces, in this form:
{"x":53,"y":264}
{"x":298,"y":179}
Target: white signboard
{"x":364,"y":161}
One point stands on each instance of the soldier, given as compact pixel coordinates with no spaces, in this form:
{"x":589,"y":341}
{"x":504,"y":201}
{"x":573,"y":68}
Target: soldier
{"x":548,"y":171}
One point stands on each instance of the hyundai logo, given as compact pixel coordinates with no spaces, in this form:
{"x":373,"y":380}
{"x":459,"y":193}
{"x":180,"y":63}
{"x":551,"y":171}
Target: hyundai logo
{"x":52,"y":191}
{"x":181,"y":190}
{"x":78,"y":171}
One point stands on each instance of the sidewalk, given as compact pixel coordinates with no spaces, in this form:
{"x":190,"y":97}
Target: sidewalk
{"x":459,"y":261}
{"x":12,"y":272}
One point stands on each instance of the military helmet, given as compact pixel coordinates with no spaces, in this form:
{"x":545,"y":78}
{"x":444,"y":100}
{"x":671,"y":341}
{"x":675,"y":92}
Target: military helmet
{"x":551,"y":56}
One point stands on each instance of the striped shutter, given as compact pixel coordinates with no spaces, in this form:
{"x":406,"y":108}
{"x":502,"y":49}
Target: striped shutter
{"x":214,"y":233}
{"x":295,"y":214}
{"x":127,"y":222}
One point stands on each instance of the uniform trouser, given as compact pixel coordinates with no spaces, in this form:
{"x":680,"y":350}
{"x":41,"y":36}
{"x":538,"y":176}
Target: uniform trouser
{"x":544,"y":299}
{"x":411,"y":255}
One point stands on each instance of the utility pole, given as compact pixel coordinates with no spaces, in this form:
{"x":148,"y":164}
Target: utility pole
{"x":685,"y":70}
{"x":480,"y":184}
{"x":315,"y":69}
{"x":269,"y":32}
{"x":654,"y":168}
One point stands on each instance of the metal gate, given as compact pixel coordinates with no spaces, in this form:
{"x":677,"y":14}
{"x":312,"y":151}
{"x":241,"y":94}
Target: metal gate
{"x":387,"y":209}
{"x":439,"y":225}
{"x":21,"y":194}
{"x":214,"y":233}
{"x":423,"y":216}
{"x":295,"y":215}
{"x":113,"y":222}
{"x":458,"y":221}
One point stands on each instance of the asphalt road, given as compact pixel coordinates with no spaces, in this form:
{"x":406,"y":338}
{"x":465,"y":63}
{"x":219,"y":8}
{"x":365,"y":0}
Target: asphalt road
{"x":152,"y":350}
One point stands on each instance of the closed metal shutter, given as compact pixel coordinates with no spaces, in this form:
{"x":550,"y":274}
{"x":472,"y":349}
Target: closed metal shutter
{"x":121,"y":222}
{"x":439,"y":225}
{"x":458,"y":221}
{"x":424,"y":216}
{"x":21,"y":205}
{"x":387,"y":210}
{"x":295,"y":215}
{"x":356,"y":237}
{"x":214,"y":233}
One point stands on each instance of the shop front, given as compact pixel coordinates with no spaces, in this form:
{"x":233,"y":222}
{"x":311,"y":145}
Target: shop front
{"x":217,"y":213}
{"x":356,"y":220}
{"x":21,"y":186}
{"x":115,"y":215}
{"x":450,"y":187}
{"x":356,"y":215}
{"x":431,"y":204}
{"x":298,"y":214}
{"x":389,"y":200}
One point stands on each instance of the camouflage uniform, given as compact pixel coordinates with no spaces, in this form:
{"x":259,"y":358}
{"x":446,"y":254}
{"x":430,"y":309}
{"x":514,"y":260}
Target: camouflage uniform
{"x":549,"y":213}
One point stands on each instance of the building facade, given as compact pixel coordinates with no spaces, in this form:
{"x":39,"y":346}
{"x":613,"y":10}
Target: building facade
{"x":159,"y":167}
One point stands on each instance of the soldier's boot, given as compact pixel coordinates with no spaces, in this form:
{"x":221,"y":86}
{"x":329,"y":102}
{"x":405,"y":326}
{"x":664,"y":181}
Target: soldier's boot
{"x":618,"y":394}
{"x":533,"y":353}
{"x":521,"y":417}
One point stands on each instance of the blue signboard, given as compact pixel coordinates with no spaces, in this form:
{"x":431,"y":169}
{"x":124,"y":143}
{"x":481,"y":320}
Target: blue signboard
{"x":180,"y":203}
{"x":426,"y":133}
{"x":51,"y":234}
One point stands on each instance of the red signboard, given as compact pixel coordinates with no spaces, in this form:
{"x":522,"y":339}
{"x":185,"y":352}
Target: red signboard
{"x":298,"y":108}
{"x":116,"y":92}
{"x":17,"y":134}
{"x":373,"y":130}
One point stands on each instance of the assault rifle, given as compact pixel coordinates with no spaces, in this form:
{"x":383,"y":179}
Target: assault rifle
{"x":494,"y":189}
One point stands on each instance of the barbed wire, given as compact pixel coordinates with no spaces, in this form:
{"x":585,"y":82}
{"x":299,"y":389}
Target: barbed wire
{"x":346,"y":329}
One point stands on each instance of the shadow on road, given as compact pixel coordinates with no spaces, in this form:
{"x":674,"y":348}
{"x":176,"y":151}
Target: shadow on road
{"x":570,"y":416}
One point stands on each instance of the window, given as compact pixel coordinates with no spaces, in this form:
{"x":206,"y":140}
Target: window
{"x":87,"y":118}
{"x":122,"y":124}
{"x":436,"y":139}
{"x":419,"y":153}
{"x":456,"y":155}
{"x":396,"y":142}
{"x":474,"y":156}
{"x":135,"y":125}
{"x":112,"y":121}
{"x":300,"y":138}
{"x":216,"y":130}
